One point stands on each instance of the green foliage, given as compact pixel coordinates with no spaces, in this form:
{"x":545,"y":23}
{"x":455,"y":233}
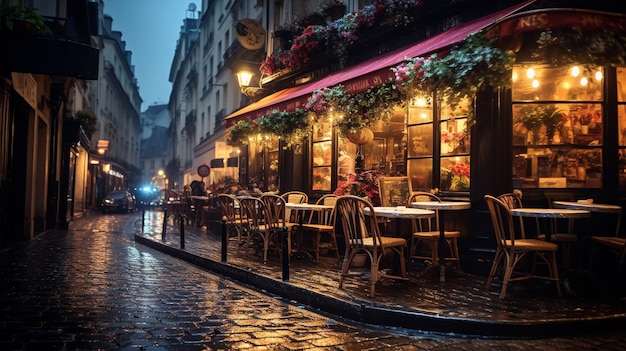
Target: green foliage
{"x":240,"y":133}
{"x":10,"y":12}
{"x":289,"y":126}
{"x":601,"y":47}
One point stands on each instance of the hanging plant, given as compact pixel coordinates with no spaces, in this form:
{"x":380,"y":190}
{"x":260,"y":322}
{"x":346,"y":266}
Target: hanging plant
{"x":291,"y":127}
{"x":473,"y":65}
{"x":602,"y":47}
{"x":240,"y":133}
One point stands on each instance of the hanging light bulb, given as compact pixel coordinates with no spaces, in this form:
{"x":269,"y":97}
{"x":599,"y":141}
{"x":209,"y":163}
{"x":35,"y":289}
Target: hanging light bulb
{"x":584,"y":81}
{"x":514,"y":76}
{"x":530,"y":73}
{"x":598,"y":75}
{"x":575,"y":71}
{"x":535,"y":83}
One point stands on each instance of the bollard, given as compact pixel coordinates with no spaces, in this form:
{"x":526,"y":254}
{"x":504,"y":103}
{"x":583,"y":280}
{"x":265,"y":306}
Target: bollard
{"x":224,"y":240}
{"x":164,"y":230}
{"x":143,"y":220}
{"x":182,"y":231}
{"x":285,"y":254}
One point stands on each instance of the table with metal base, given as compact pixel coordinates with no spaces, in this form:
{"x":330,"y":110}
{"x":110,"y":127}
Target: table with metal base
{"x":442,"y":207}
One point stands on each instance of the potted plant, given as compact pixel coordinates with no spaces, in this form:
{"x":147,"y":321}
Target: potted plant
{"x":19,"y":20}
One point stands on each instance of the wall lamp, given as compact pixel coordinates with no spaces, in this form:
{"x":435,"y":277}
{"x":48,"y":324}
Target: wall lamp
{"x":244,"y":78}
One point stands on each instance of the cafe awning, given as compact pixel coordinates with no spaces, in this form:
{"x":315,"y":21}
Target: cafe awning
{"x":369,"y":73}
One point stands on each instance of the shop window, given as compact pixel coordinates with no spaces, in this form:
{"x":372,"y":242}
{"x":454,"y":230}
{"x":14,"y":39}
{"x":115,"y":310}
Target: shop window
{"x":557,"y":126}
{"x":621,"y":117}
{"x":451,"y":156}
{"x":322,"y":156}
{"x":454,"y":139}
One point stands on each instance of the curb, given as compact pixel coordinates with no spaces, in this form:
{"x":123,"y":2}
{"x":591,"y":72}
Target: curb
{"x":384,"y":317}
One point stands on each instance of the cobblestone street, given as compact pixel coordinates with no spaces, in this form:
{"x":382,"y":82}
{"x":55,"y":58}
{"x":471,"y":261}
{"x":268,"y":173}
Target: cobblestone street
{"x":94,"y":287}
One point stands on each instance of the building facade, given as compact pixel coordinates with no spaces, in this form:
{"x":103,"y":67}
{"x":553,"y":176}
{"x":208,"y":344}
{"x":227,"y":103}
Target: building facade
{"x":44,"y":158}
{"x":116,"y":101}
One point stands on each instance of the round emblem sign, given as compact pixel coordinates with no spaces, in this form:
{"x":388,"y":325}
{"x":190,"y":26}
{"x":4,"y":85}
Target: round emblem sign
{"x":203,"y":171}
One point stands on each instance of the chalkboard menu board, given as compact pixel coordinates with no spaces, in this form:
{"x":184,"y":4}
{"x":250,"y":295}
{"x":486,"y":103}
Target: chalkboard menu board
{"x":394,"y":191}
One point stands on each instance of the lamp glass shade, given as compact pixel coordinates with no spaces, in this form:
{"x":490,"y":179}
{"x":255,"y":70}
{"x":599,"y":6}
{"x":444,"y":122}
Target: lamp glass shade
{"x":244,"y":78}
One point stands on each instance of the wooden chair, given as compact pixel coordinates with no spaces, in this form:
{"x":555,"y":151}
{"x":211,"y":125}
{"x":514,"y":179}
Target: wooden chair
{"x":512,"y":249}
{"x":564,"y":240}
{"x":260,"y":223}
{"x":616,"y":244}
{"x":426,"y":231}
{"x":294,"y":197}
{"x":236,"y":221}
{"x":322,"y":223}
{"x":362,"y":235}
{"x":276,"y":219}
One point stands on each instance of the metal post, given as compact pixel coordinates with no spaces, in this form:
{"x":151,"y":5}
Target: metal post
{"x":164,"y":230}
{"x":224,"y":240}
{"x":285,"y":254}
{"x":143,"y":219}
{"x":182,"y":231}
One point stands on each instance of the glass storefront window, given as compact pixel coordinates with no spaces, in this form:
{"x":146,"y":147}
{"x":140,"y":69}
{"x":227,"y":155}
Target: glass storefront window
{"x":322,"y":156}
{"x":564,"y":83}
{"x":621,"y":117}
{"x":557,"y":126}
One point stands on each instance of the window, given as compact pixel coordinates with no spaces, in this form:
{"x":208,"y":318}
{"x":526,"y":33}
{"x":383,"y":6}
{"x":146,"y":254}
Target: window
{"x":621,"y":117}
{"x":557,"y":126}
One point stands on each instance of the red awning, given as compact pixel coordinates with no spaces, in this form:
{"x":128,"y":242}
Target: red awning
{"x":368,"y":73}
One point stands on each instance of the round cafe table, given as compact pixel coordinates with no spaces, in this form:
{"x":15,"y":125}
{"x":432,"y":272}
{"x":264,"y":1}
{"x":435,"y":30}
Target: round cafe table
{"x":442,"y":207}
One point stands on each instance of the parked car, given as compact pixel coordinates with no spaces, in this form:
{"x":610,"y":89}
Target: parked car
{"x":119,"y":201}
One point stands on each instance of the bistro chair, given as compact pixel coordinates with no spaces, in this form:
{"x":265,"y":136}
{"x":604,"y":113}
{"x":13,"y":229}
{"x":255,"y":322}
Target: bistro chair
{"x":261,"y":223}
{"x":236,"y":221}
{"x":322,"y":223}
{"x":564,"y":240}
{"x":294,"y":197}
{"x":616,"y":245}
{"x":426,"y":232}
{"x":362,"y":235}
{"x":512,"y":249}
{"x":276,"y":219}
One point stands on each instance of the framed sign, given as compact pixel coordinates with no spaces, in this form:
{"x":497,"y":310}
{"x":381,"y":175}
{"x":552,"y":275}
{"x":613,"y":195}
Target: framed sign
{"x":394,"y":191}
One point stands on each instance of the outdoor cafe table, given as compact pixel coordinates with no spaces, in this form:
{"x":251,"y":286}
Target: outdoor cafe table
{"x":593,"y":207}
{"x":442,"y":206}
{"x":399,"y":213}
{"x":550,"y":213}
{"x":305,"y":207}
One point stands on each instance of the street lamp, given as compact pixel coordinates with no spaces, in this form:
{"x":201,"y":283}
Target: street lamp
{"x":244,"y":78}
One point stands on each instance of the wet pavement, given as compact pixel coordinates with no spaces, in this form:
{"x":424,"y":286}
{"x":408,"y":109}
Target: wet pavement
{"x":460,"y":305}
{"x":97,"y":286}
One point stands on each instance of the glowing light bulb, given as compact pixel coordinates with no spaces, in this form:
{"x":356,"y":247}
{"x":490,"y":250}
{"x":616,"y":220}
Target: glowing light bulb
{"x":530,"y":73}
{"x":514,"y":76}
{"x":535,"y":83}
{"x":598,"y":75}
{"x":575,"y":71}
{"x":421,"y":102}
{"x":584,"y":81}
{"x":566,"y":86}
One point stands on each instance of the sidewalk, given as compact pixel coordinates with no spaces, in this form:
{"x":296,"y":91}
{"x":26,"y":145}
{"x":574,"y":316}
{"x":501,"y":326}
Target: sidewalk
{"x":461,"y":305}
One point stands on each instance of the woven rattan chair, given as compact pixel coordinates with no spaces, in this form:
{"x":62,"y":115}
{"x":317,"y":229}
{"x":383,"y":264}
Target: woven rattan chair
{"x":322,"y":223}
{"x":616,"y":244}
{"x":511,"y":249}
{"x":564,"y":240}
{"x":260,"y":223}
{"x":362,"y":235}
{"x":426,"y":232}
{"x":233,"y":213}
